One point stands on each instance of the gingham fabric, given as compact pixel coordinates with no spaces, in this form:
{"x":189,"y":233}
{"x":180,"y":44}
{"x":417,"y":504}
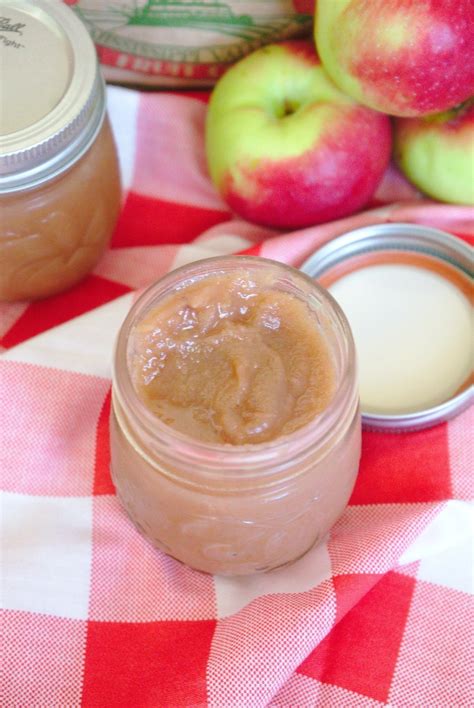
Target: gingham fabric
{"x":380,"y":614}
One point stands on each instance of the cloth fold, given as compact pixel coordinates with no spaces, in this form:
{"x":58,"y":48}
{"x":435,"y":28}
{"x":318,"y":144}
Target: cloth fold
{"x":379,"y":614}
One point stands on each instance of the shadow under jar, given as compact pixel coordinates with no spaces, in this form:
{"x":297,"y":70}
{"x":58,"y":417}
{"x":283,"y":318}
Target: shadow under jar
{"x":221,"y":507}
{"x":59,"y":177}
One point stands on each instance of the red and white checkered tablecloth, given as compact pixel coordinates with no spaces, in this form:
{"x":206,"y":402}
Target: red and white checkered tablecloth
{"x":380,"y":614}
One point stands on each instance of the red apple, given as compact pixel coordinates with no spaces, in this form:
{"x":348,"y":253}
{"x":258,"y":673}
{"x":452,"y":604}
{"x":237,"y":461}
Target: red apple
{"x":436,"y":153}
{"x":285,"y":147}
{"x":403,"y":57}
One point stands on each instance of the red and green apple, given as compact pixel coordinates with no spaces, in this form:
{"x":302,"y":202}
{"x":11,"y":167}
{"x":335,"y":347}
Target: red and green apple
{"x":403,"y":57}
{"x":285,"y":147}
{"x":436,"y":153}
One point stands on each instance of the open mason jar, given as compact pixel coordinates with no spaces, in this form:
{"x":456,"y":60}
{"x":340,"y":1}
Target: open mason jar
{"x":237,"y":509}
{"x":59,"y":177}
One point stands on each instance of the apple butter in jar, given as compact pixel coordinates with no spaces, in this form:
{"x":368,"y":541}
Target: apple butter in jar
{"x":235,"y":426}
{"x":59,"y":177}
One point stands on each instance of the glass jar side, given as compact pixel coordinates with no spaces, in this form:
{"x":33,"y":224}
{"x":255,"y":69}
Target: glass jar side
{"x":241,"y":532}
{"x":52,"y":235}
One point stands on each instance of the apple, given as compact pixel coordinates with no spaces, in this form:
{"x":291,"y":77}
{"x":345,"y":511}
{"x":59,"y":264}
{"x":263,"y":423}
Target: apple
{"x":285,"y":147}
{"x":436,"y":153}
{"x":403,"y":57}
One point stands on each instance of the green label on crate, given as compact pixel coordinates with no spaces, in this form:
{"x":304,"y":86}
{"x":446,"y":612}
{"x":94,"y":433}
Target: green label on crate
{"x":188,"y":32}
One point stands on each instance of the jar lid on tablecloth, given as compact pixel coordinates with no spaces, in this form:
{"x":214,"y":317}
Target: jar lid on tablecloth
{"x":407,"y":293}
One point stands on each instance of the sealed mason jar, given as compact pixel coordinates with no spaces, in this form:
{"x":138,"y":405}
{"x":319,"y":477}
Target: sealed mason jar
{"x":235,"y":509}
{"x":59,"y":176}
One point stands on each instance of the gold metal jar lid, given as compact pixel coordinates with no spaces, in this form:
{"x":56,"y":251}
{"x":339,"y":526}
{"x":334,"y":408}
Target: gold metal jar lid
{"x":52,"y":92}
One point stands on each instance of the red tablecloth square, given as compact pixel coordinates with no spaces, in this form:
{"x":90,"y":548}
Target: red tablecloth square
{"x":146,"y":221}
{"x":91,"y":292}
{"x":102,"y":480}
{"x":361,"y":651}
{"x":412,"y":467}
{"x":166,"y":661}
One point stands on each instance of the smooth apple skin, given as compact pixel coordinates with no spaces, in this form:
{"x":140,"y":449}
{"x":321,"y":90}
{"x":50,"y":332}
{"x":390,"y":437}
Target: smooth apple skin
{"x":402,"y":57}
{"x":285,"y":148}
{"x":436,"y":153}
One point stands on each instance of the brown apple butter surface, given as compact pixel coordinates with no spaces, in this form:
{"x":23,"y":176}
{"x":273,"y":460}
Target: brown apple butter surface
{"x":230,"y":359}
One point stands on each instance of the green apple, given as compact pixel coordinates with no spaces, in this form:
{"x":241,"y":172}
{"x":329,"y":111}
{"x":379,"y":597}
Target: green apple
{"x":436,"y":153}
{"x":285,"y":147}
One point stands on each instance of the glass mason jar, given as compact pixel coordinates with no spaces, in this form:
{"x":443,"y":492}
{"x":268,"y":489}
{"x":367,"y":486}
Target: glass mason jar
{"x":59,"y":177}
{"x":237,"y":509}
